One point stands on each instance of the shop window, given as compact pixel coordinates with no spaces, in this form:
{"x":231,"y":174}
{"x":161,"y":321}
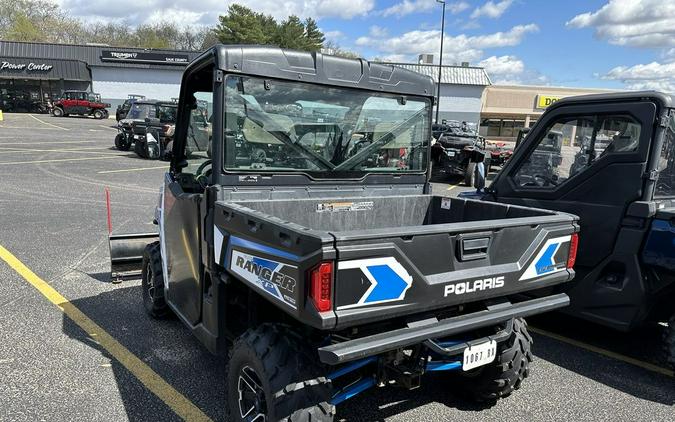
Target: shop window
{"x":507,"y":128}
{"x":493,"y":127}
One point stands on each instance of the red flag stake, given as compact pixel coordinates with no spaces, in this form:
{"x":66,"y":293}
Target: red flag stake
{"x":107,"y":205}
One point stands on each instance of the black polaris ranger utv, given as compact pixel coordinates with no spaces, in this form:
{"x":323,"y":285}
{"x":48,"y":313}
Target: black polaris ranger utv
{"x":313,"y":252}
{"x":610,"y":159}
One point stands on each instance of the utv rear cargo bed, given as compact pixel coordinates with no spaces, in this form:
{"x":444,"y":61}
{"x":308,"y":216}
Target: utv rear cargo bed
{"x":396,"y":255}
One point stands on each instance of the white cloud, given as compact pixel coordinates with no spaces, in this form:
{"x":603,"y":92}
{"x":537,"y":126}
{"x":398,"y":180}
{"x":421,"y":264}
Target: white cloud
{"x":510,"y":70}
{"x":378,"y":31}
{"x":207,"y":11}
{"x":491,"y":9}
{"x":407,"y":7}
{"x":635,"y":23}
{"x":455,"y":48}
{"x":654,"y":75}
{"x":334,"y":35}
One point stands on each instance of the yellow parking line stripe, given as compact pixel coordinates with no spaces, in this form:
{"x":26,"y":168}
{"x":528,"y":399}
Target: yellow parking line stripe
{"x":48,"y":124}
{"x":452,"y":187}
{"x":607,"y":353}
{"x":57,"y":160}
{"x":135,"y":169}
{"x":180,"y":404}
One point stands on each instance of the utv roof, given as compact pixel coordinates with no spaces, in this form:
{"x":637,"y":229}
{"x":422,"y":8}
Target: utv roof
{"x":157,"y":102}
{"x":278,"y":63}
{"x":666,"y":100}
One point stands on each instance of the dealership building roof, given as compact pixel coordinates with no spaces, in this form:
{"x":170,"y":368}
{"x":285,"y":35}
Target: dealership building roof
{"x":455,"y":75}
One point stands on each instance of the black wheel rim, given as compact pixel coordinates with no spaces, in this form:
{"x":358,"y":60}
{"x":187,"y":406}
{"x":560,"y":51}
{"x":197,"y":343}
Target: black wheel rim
{"x":149,"y":289}
{"x":252,"y":404}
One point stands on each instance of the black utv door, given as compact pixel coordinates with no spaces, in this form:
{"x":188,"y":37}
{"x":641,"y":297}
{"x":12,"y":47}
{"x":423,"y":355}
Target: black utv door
{"x":590,"y":160}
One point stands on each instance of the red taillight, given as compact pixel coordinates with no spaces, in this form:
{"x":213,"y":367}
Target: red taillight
{"x":320,"y":289}
{"x":574,"y":245}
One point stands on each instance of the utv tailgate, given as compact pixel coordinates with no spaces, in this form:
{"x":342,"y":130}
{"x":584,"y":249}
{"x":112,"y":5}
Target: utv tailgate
{"x":412,"y":270}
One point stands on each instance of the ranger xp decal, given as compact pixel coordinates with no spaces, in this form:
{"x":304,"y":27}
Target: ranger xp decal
{"x":549,"y":259}
{"x":272,"y":277}
{"x":389,"y":281}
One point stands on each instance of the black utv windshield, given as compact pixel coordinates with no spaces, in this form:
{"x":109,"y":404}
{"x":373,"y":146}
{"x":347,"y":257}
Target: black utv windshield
{"x":324,"y":131}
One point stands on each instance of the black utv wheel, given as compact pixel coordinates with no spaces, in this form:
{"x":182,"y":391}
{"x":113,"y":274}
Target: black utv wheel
{"x":469,"y":174}
{"x":122,"y":143}
{"x":273,"y":375}
{"x":57,"y":112}
{"x":502,"y":377}
{"x":152,"y":282}
{"x":669,"y":343}
{"x":139,"y":149}
{"x":99,"y":114}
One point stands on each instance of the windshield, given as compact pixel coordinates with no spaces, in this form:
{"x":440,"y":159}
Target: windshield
{"x":324,"y":131}
{"x":665,"y":184}
{"x":141,"y":111}
{"x":167,"y":114}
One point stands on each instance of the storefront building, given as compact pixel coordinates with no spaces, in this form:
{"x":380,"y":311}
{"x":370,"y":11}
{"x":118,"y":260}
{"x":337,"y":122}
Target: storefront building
{"x":461,"y":90}
{"x":508,"y":109}
{"x":33,"y":73}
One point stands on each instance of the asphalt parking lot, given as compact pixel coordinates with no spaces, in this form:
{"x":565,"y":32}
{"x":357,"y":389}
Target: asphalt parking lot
{"x":74,"y":346}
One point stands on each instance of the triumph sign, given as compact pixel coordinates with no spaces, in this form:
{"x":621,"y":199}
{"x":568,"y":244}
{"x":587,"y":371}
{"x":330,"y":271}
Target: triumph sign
{"x":150,"y":56}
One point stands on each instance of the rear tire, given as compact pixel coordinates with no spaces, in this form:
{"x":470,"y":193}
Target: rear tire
{"x":669,"y":343}
{"x":152,"y":282}
{"x":98,"y":114}
{"x":273,"y":372}
{"x":469,"y":174}
{"x":57,"y":112}
{"x":502,"y":377}
{"x":122,"y":143}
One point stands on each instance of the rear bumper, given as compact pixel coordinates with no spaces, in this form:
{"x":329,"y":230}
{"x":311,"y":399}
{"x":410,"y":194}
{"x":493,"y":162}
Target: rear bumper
{"x":411,"y":335}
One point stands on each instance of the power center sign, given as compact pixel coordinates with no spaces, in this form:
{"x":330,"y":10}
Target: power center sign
{"x":7,"y":66}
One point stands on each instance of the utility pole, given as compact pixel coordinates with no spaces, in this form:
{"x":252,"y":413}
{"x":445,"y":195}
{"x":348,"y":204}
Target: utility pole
{"x":440,"y":62}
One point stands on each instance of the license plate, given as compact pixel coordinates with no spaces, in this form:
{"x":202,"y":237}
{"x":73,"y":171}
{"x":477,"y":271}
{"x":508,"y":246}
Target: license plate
{"x":479,"y":355}
{"x":450,"y":153}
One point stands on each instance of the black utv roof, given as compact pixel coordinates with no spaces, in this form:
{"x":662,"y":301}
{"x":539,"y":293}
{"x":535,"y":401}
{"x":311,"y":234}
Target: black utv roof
{"x":666,"y":100}
{"x":157,"y":102}
{"x":278,"y":63}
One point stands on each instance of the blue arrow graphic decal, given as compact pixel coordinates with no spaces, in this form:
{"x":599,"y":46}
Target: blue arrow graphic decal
{"x":389,"y":286}
{"x":545,"y":264}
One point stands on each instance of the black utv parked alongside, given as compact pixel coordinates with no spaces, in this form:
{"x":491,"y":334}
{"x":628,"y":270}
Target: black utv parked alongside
{"x":312,"y":253}
{"x":610,"y":159}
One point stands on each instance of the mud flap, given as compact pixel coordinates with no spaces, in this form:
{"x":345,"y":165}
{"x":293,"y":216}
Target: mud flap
{"x":126,"y":253}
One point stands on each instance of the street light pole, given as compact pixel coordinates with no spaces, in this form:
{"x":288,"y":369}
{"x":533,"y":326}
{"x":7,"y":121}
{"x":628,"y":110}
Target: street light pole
{"x":440,"y":62}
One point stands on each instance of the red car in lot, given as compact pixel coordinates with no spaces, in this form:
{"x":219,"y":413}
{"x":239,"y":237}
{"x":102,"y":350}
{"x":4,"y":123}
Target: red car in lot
{"x":80,"y":103}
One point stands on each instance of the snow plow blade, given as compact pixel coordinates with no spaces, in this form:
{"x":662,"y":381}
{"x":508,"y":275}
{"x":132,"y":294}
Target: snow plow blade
{"x":126,"y":253}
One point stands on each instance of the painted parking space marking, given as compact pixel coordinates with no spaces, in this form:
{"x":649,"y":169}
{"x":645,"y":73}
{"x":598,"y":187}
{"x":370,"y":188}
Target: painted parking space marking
{"x":176,"y":401}
{"x":63,"y":160}
{"x":29,"y":143}
{"x":48,"y":124}
{"x":108,"y":127}
{"x":452,"y":187}
{"x":134,"y":169}
{"x":86,"y":150}
{"x":604,"y":352}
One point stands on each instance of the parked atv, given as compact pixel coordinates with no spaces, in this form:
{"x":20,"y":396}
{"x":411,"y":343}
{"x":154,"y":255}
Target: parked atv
{"x":123,"y":109}
{"x":80,"y":103}
{"x":610,"y":159}
{"x":133,"y":128}
{"x":457,"y":152}
{"x":324,"y":266}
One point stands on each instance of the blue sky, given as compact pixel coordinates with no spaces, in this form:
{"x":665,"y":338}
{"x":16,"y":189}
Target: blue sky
{"x":582,"y":43}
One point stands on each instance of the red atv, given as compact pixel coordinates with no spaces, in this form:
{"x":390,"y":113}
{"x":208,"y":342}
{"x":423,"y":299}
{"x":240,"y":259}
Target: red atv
{"x":81,"y":103}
